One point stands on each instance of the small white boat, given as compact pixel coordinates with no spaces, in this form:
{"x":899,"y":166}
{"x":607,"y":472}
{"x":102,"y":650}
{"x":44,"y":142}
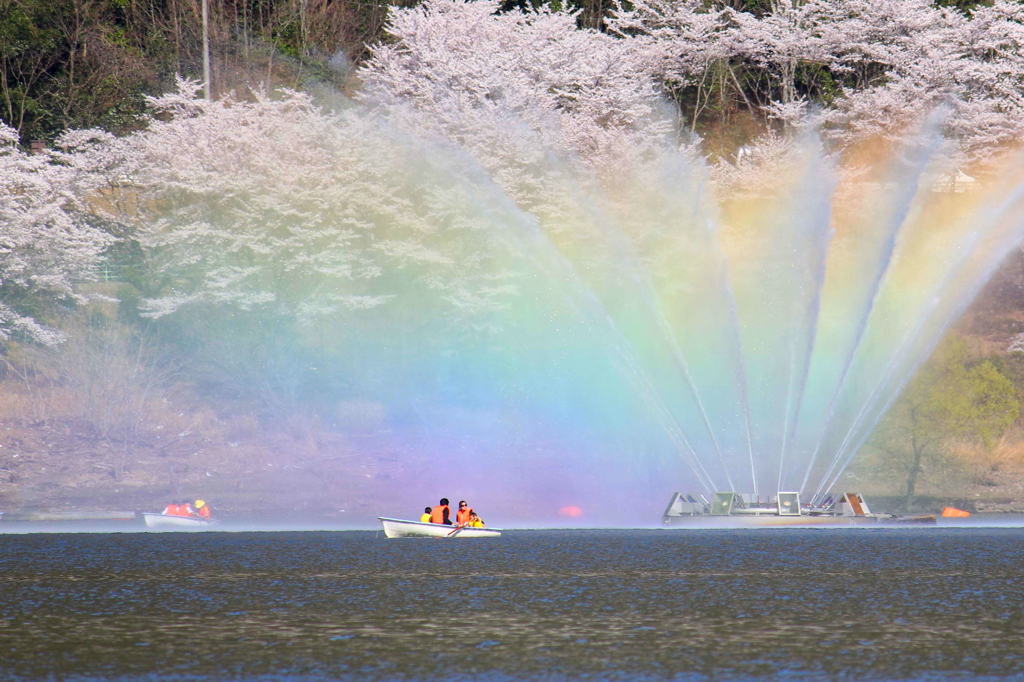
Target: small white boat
{"x":399,"y":528}
{"x":179,"y":522}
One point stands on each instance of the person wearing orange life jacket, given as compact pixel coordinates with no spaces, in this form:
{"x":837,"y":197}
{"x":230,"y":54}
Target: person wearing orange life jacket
{"x":462,"y":515}
{"x":203,"y":509}
{"x":183,"y":509}
{"x":441,"y":513}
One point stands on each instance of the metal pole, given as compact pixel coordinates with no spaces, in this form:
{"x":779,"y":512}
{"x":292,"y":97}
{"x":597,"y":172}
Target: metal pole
{"x":206,"y":49}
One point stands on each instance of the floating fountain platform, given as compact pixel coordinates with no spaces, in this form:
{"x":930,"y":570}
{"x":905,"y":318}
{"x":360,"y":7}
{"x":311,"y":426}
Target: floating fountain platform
{"x":737,"y":510}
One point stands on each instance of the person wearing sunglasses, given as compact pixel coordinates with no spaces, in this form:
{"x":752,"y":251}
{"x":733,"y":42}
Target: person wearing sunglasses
{"x":462,"y":515}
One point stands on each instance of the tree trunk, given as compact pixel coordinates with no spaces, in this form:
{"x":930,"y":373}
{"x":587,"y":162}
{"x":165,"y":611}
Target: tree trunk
{"x":918,"y":450}
{"x":788,"y":81}
{"x":912,"y":480}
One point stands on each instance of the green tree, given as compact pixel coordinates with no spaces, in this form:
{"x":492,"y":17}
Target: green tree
{"x":29,"y":49}
{"x":950,"y":399}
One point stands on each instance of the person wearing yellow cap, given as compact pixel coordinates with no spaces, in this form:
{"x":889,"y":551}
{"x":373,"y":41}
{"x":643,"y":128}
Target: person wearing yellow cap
{"x":203,"y":509}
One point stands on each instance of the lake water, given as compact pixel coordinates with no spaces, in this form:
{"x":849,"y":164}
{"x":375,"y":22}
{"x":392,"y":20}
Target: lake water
{"x":855,"y":604}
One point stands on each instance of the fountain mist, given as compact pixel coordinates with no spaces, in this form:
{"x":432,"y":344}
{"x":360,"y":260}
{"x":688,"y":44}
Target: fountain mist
{"x":762,"y":334}
{"x":541,"y":327}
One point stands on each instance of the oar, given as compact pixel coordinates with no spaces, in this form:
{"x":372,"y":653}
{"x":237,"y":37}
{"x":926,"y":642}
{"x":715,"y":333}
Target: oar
{"x":456,"y":531}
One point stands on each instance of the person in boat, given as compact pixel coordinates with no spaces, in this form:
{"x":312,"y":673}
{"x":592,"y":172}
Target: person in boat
{"x":441,"y":513}
{"x":425,"y":516}
{"x":182,"y":509}
{"x":475,"y":521}
{"x":203,"y":510}
{"x":463,"y":513}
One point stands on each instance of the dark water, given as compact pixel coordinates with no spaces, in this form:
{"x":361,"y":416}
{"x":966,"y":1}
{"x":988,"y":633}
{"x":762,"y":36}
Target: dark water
{"x":542,"y":605}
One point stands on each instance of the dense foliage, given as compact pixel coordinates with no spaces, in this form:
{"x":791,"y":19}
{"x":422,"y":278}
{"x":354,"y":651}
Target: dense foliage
{"x":264,"y":230}
{"x":81,"y":63}
{"x":509,"y":84}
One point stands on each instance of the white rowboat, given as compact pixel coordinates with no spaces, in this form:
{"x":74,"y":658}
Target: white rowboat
{"x":398,"y":528}
{"x":178,"y":522}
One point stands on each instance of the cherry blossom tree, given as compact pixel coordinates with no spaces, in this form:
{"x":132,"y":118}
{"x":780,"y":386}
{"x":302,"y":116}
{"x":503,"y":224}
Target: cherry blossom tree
{"x":474,"y":70}
{"x":923,"y":58}
{"x":48,"y":245}
{"x":274,"y":205}
{"x":862,"y":69}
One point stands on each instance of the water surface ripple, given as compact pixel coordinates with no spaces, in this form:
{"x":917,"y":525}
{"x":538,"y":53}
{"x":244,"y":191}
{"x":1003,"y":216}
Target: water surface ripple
{"x":853,"y":604}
